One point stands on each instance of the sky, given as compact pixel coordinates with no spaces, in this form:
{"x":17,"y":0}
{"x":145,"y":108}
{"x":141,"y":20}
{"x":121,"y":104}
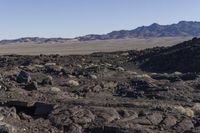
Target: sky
{"x":72,"y":18}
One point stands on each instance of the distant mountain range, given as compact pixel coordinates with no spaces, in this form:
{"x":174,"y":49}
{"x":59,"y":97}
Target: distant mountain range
{"x":35,"y":40}
{"x":181,"y":29}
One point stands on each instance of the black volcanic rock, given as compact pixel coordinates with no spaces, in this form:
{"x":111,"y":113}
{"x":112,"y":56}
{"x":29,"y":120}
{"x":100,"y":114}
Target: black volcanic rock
{"x":38,"y":93}
{"x":184,"y":57}
{"x":183,"y":28}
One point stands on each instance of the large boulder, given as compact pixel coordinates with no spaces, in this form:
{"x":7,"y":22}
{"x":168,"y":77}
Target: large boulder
{"x":47,"y":80}
{"x":6,"y":128}
{"x":23,"y":77}
{"x":73,"y":128}
{"x":32,"y":86}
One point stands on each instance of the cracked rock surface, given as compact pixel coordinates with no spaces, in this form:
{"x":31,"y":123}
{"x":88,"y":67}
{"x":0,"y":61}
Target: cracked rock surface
{"x":119,"y":92}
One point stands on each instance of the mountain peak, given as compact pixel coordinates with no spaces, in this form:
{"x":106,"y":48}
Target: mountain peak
{"x":182,"y":28}
{"x":186,"y":22}
{"x":155,"y":24}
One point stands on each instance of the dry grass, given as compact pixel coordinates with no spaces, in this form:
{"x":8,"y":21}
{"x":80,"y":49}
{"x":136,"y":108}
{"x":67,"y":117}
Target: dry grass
{"x":196,"y":107}
{"x":185,"y":111}
{"x":73,"y":83}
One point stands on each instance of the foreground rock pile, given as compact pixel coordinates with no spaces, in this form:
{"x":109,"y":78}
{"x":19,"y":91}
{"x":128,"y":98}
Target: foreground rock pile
{"x":101,"y":93}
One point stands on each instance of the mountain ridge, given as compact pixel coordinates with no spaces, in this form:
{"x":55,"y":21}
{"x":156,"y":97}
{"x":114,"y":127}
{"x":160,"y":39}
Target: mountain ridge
{"x":180,"y":29}
{"x":38,"y":40}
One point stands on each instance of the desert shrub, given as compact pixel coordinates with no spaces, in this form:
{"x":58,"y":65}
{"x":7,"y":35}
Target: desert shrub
{"x":73,"y":83}
{"x":196,"y":107}
{"x":185,"y":111}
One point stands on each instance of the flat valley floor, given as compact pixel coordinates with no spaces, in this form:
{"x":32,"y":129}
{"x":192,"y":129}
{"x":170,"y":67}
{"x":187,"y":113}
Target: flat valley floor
{"x":88,"y":47}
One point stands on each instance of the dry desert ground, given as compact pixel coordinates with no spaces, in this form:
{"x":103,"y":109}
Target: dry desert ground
{"x":88,"y":47}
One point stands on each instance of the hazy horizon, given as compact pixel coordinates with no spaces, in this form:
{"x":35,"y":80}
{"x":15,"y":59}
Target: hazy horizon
{"x":73,"y":18}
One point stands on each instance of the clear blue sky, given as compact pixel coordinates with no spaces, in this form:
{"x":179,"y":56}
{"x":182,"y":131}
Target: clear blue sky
{"x":70,"y":18}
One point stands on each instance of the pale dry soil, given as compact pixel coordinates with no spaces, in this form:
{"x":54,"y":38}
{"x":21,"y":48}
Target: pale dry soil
{"x":88,"y":47}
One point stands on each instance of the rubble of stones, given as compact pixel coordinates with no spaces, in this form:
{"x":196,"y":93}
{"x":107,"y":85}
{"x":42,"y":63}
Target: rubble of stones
{"x":102,"y":92}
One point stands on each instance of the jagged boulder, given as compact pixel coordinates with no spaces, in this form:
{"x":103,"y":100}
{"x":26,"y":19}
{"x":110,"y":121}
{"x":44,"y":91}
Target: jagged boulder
{"x":23,"y":77}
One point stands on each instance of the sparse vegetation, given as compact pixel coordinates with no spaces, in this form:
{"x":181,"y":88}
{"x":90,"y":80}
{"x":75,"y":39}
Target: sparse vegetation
{"x":143,"y":76}
{"x":94,"y":77}
{"x":73,"y":83}
{"x":196,"y":107}
{"x":185,"y":111}
{"x":107,"y":92}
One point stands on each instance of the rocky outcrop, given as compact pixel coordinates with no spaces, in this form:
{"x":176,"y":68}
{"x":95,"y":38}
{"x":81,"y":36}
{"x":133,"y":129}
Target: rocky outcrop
{"x":183,"y":57}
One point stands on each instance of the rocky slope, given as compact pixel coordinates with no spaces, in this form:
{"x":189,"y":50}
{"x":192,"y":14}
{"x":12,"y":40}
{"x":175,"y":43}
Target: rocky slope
{"x":183,"y":28}
{"x":184,"y":57}
{"x":101,"y":92}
